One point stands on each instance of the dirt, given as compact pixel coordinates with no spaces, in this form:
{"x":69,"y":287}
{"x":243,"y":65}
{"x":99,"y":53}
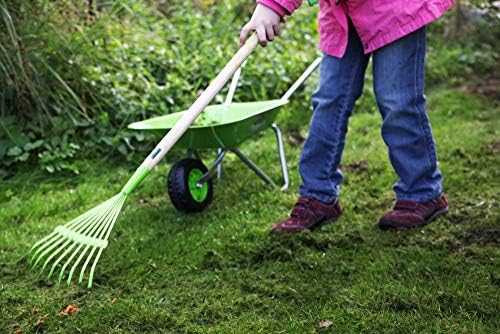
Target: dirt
{"x":478,"y":236}
{"x":294,"y":137}
{"x":494,"y":146}
{"x":355,"y":167}
{"x":488,"y":88}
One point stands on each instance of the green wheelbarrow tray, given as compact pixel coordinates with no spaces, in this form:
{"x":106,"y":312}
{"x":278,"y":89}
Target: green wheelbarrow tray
{"x":223,"y":127}
{"x":220,"y":125}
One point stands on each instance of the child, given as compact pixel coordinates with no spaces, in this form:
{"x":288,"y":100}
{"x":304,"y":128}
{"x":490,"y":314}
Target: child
{"x":393,"y":33}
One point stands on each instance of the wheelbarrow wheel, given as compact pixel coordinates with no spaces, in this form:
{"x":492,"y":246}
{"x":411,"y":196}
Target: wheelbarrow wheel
{"x":183,"y":188}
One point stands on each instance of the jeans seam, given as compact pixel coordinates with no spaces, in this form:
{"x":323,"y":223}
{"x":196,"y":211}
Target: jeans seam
{"x":419,"y":113}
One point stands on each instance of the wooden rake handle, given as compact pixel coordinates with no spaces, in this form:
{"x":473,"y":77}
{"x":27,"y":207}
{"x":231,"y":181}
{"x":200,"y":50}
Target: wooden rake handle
{"x":200,"y":104}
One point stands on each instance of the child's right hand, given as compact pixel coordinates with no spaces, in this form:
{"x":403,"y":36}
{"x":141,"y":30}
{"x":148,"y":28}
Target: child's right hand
{"x":266,"y":22}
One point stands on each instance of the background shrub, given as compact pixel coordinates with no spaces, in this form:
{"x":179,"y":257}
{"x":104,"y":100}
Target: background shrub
{"x":75,"y":73}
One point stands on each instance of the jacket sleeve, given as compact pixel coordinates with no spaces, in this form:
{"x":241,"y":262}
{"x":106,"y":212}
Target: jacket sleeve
{"x":282,"y":7}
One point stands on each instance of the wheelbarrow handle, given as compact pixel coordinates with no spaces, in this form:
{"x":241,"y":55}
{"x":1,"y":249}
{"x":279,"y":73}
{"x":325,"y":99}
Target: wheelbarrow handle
{"x":200,"y":104}
{"x":301,"y":79}
{"x":233,"y":86}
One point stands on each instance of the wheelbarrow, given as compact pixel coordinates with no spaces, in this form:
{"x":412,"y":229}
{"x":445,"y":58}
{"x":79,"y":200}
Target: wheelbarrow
{"x":222,"y":127}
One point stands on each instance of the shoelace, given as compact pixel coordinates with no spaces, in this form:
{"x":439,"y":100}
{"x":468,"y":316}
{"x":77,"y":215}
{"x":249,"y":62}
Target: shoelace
{"x":405,"y":205}
{"x":300,"y":207}
{"x":412,"y":206}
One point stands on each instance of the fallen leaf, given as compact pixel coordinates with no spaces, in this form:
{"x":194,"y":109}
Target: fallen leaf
{"x":114,"y":300}
{"x":69,"y":310}
{"x":39,"y":322}
{"x":34,"y":310}
{"x":325,"y":324}
{"x":19,"y":331}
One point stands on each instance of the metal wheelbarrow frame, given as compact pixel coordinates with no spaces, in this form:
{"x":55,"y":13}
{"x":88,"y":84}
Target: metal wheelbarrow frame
{"x":222,"y":127}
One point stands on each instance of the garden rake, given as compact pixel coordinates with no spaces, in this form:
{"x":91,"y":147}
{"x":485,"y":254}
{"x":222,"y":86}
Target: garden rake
{"x":82,"y":240}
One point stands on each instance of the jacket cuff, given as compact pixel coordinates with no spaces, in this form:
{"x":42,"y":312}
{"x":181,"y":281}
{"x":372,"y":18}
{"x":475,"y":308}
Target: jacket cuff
{"x":282,"y":11}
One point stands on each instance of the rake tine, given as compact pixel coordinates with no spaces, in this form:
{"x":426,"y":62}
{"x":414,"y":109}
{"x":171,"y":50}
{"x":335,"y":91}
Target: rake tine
{"x":53,"y":255}
{"x":84,"y":219}
{"x":59,"y":260}
{"x":85,"y":224}
{"x":54,"y":233}
{"x":73,"y":255}
{"x":61,"y":274}
{"x":110,"y":225}
{"x":41,"y":241}
{"x":77,"y":262}
{"x":91,"y":276}
{"x":115,"y":208}
{"x":68,"y":261}
{"x":82,"y":272}
{"x":109,"y":222}
{"x":94,"y":229}
{"x":55,"y":239}
{"x":60,"y":238}
{"x":54,"y":245}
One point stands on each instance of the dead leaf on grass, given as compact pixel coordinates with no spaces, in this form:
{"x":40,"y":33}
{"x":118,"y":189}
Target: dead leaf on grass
{"x":34,"y":310}
{"x":39,"y":322}
{"x":19,"y":331}
{"x":69,"y":310}
{"x":114,"y":300}
{"x":325,"y":323}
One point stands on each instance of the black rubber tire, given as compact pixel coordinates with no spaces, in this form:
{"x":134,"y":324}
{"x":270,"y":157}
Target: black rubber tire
{"x":178,"y":186}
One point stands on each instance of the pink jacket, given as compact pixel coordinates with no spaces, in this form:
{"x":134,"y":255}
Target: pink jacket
{"x":378,"y":22}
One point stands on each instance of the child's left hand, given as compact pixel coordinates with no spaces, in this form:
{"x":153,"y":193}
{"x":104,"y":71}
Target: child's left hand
{"x":265,"y":22}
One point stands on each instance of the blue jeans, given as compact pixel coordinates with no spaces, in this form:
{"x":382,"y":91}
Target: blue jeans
{"x":398,"y":74}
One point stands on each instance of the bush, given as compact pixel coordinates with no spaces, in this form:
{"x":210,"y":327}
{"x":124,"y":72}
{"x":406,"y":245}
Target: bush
{"x":82,"y":74}
{"x":74,"y":79}
{"x":463,"y":45}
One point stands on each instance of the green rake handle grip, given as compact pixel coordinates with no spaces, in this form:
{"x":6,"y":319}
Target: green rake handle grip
{"x":136,"y":179}
{"x":191,"y":114}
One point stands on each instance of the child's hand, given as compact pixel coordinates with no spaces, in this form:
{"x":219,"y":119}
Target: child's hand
{"x":266,"y":22}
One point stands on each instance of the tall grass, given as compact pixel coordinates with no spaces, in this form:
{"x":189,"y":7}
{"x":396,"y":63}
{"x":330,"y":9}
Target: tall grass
{"x":73,"y":77}
{"x":74,"y":73}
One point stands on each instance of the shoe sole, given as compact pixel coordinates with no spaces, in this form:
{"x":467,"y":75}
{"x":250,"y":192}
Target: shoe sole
{"x":319,"y":225}
{"x":387,"y":224}
{"x":313,"y":228}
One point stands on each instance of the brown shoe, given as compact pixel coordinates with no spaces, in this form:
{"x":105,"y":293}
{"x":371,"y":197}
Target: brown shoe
{"x":408,"y":214}
{"x":308,"y":213}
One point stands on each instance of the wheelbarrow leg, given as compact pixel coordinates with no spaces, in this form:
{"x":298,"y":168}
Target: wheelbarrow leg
{"x":281,"y":151}
{"x":219,"y":165}
{"x":253,"y":167}
{"x":213,"y":167}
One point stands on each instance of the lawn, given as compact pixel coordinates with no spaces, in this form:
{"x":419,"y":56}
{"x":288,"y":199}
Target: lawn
{"x":220,"y":271}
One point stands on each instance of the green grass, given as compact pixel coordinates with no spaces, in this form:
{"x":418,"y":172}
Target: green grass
{"x":220,"y":272}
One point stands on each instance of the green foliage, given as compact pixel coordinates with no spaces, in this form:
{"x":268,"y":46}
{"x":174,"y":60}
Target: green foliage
{"x":72,"y":81}
{"x":79,"y":79}
{"x":463,"y":46}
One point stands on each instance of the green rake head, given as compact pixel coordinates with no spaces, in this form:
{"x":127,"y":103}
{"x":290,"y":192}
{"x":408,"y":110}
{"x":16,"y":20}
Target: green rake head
{"x":84,"y":236}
